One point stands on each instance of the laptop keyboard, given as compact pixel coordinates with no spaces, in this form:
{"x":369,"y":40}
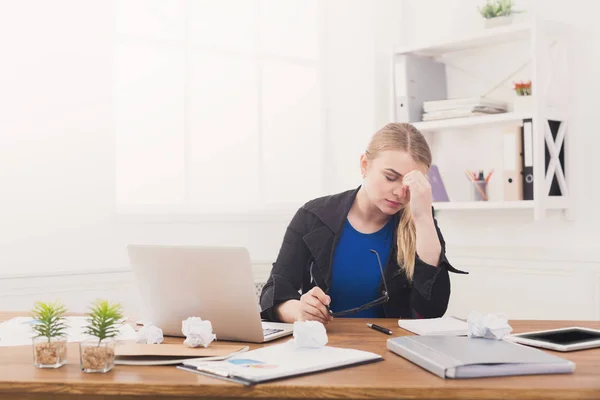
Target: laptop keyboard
{"x":270,"y":331}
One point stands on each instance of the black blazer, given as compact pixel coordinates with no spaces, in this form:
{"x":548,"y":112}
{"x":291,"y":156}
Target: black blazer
{"x":306,"y":256}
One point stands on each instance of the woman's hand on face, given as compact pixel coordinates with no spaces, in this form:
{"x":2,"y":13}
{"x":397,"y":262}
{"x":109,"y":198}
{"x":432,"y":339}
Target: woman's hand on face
{"x":420,"y":194}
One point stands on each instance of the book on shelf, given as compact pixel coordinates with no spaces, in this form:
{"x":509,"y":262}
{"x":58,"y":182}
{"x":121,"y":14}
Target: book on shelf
{"x":461,"y":107}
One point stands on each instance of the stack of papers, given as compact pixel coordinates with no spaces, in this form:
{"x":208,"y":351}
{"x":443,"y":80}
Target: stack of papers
{"x":461,"y":107}
{"x":18,"y":331}
{"x":444,"y":326}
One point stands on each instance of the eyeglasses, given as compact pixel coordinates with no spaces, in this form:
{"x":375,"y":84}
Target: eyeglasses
{"x":381,"y":300}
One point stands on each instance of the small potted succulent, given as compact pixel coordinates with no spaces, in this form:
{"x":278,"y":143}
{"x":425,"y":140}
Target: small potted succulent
{"x":50,"y":339}
{"x":97,"y":354}
{"x":523,"y":88}
{"x":523,"y":102}
{"x":497,"y":12}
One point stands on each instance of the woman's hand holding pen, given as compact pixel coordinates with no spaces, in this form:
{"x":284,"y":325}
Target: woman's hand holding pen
{"x":312,"y":306}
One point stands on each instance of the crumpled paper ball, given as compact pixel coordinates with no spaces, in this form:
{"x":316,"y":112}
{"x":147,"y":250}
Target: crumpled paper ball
{"x":197,"y":332}
{"x":489,"y":326}
{"x":150,"y":334}
{"x":310,"y":334}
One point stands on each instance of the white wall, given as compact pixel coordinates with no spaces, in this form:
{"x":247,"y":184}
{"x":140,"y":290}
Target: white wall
{"x":359,"y":37}
{"x":57,"y":136}
{"x":350,"y":39}
{"x":355,"y":57}
{"x":208,"y":97}
{"x":58,"y":148}
{"x":69,"y":89}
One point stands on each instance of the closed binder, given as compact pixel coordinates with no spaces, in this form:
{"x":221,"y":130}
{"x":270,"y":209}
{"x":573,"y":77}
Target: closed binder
{"x":438,"y":190}
{"x":513,"y":177}
{"x":465,"y":357}
{"x":416,"y":79}
{"x":527,"y":159}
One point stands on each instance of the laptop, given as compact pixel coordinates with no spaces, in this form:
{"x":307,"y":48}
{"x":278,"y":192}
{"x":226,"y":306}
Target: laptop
{"x":213,"y":283}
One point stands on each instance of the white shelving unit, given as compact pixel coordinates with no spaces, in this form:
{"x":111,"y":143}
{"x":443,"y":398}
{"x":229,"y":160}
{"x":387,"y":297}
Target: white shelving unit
{"x":547,"y":44}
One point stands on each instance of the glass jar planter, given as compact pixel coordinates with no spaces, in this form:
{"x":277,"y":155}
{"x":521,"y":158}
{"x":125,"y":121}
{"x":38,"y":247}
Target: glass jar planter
{"x":97,"y":356}
{"x":49,"y":352}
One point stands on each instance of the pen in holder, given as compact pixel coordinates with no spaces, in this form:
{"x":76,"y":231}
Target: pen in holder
{"x":479,"y":185}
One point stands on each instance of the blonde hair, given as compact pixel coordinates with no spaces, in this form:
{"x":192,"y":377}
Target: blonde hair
{"x":404,"y":137}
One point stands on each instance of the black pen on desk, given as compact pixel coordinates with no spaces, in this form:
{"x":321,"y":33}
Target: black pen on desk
{"x":380,"y":329}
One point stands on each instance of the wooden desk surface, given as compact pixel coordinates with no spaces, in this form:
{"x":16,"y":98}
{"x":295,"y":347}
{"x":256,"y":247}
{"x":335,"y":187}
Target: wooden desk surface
{"x":394,"y":377}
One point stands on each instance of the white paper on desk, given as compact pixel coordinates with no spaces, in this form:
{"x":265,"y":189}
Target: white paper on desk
{"x":444,"y":326}
{"x":282,"y":360}
{"x":18,"y":331}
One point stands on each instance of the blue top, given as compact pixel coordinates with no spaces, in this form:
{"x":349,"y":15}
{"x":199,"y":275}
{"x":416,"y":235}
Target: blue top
{"x":355,"y":276}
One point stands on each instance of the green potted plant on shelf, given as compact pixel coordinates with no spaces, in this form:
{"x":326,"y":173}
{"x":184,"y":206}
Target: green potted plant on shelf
{"x":523,"y":101}
{"x":497,"y":12}
{"x":523,"y":88}
{"x":97,"y":354}
{"x":50,"y":339}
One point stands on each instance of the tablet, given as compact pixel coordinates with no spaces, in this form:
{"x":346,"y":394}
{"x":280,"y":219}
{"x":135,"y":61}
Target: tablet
{"x":562,"y":339}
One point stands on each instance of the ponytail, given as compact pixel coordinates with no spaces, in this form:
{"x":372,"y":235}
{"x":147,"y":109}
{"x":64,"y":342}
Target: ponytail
{"x":407,"y":243}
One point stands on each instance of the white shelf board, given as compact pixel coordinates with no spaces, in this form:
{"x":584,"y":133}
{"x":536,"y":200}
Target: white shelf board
{"x":478,"y":39}
{"x":557,"y":203}
{"x":483,"y":205}
{"x":466,"y":122}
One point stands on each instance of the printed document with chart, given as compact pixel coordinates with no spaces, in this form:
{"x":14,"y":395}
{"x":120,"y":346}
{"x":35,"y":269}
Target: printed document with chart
{"x":280,"y":361}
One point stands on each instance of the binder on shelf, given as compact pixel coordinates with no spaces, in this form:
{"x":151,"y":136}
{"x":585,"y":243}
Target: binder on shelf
{"x":513,"y":177}
{"x":527,"y":159}
{"x":416,"y":79}
{"x":438,"y":190}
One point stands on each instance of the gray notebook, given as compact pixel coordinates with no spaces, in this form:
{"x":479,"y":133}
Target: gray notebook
{"x":464,"y":357}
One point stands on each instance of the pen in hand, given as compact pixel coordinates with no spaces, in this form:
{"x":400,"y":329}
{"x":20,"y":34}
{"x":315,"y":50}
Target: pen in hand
{"x":380,"y":329}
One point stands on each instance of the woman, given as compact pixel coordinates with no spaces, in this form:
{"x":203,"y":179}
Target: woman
{"x":375,"y":251}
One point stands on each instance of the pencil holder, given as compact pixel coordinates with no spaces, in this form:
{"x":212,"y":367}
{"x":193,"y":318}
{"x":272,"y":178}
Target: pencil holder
{"x":49,"y":352}
{"x":480,"y":190}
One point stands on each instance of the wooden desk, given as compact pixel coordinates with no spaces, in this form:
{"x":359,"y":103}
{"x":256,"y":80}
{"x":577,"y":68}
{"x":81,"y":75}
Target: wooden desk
{"x":394,"y":377}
